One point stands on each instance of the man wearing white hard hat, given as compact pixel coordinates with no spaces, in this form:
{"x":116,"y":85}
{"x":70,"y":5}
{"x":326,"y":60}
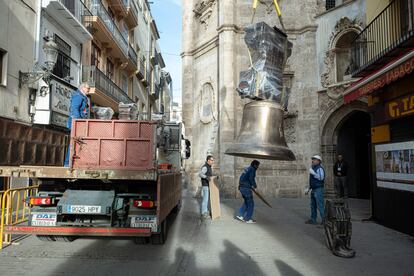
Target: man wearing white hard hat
{"x":316,"y":183}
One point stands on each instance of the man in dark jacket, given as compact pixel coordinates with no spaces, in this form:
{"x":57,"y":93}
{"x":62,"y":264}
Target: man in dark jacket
{"x":340,"y":171}
{"x":247,"y":183}
{"x":316,"y":184}
{"x":79,"y":109}
{"x":205,"y":174}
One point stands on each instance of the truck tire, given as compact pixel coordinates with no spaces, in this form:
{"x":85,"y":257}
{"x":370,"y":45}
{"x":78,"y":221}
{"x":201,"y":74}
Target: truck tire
{"x":160,"y":238}
{"x":65,"y":238}
{"x":177,"y":208}
{"x":141,"y":240}
{"x":46,"y":238}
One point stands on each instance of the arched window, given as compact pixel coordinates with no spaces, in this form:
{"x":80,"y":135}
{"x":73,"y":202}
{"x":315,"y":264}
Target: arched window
{"x":343,"y":55}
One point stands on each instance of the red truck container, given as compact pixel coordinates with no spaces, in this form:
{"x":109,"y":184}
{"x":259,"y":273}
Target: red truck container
{"x":113,"y":187}
{"x":110,"y":144}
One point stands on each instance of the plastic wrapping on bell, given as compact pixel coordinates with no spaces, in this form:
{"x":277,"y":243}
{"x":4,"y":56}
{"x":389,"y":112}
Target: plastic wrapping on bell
{"x":269,"y":49}
{"x":103,"y":113}
{"x":261,"y":134}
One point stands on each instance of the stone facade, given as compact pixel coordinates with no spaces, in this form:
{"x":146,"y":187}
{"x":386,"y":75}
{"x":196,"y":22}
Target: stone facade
{"x":213,"y":55}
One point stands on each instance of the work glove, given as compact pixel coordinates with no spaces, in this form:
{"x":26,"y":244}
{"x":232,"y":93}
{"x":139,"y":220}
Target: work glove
{"x":312,"y":172}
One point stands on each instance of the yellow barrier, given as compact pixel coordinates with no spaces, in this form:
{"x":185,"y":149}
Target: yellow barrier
{"x":14,"y":210}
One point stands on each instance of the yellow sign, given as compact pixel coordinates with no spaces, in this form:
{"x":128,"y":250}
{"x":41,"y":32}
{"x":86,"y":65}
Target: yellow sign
{"x":400,"y":107}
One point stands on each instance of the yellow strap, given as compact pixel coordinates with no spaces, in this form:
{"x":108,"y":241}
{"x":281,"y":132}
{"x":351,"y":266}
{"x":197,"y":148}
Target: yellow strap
{"x":279,"y":13}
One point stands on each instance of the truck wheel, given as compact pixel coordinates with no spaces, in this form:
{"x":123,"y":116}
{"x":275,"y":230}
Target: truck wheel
{"x":177,"y":208}
{"x":141,"y":240}
{"x":65,"y":238}
{"x":158,"y":239}
{"x":46,"y":238}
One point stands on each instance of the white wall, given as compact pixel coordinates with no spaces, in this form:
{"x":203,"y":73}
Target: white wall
{"x":17,"y":33}
{"x":326,"y":28}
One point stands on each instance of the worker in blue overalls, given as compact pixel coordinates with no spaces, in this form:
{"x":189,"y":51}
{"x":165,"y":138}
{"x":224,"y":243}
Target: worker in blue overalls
{"x":316,"y":185}
{"x":79,"y":109}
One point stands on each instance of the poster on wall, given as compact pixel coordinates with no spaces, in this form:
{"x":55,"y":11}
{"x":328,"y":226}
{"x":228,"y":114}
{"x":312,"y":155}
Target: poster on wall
{"x":395,"y":166}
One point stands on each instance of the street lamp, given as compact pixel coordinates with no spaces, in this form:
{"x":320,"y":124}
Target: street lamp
{"x":50,"y":49}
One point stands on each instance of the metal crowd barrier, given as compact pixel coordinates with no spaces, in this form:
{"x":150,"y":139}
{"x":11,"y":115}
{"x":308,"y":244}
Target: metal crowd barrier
{"x":14,"y":210}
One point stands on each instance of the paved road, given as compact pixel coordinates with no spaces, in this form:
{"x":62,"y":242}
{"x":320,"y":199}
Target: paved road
{"x":280,"y":244}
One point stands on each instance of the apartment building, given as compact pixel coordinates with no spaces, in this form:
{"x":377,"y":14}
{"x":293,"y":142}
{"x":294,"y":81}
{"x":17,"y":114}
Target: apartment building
{"x":109,"y":60}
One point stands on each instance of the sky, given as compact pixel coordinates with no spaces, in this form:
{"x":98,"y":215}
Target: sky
{"x":167,"y":15}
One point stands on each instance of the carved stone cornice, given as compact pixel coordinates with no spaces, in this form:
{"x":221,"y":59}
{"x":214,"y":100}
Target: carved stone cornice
{"x":203,"y":11}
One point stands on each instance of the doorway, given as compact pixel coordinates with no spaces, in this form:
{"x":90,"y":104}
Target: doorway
{"x":354,"y":143}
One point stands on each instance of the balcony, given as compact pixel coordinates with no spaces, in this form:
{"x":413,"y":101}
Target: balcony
{"x":132,"y":14}
{"x":120,"y":7}
{"x":70,"y":14}
{"x":133,"y":56}
{"x":107,"y":92}
{"x":141,"y":74}
{"x":387,"y":37}
{"x":105,"y":29}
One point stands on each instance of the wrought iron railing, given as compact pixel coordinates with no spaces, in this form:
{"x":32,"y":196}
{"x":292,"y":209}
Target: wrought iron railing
{"x":98,"y":79}
{"x":142,"y":67}
{"x":133,"y":56}
{"x":389,"y":30}
{"x":99,"y":10}
{"x":77,"y":8}
{"x":133,"y":8}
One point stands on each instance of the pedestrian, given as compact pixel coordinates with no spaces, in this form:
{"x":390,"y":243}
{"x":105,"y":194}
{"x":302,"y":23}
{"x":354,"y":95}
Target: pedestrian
{"x":205,"y":174}
{"x":79,"y":109}
{"x":247,"y":183}
{"x":340,"y":170}
{"x":316,"y":183}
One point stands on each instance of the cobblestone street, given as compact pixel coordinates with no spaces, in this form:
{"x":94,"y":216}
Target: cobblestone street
{"x":279,"y":244}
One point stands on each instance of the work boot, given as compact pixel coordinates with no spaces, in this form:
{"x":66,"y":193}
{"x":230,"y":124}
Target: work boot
{"x":310,"y":222}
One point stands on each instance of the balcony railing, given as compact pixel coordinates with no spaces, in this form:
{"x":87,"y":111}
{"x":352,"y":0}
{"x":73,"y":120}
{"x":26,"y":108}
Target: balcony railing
{"x":389,"y":31}
{"x":133,"y":8}
{"x":99,"y":10}
{"x":133,"y":56}
{"x":77,"y":8}
{"x":98,"y":79}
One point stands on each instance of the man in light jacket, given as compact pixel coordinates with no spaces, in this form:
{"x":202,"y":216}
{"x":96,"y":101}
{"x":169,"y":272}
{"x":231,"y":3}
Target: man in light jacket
{"x":205,"y":174}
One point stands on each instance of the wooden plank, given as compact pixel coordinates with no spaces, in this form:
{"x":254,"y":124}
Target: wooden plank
{"x":214,"y":198}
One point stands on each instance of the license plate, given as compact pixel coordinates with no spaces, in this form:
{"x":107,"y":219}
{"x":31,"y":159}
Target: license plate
{"x":83,"y":209}
{"x":145,"y":222}
{"x":43,"y":219}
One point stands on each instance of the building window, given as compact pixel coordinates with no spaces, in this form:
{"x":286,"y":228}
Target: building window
{"x":62,"y":66}
{"x":109,"y":69}
{"x":343,"y":55}
{"x":95,"y":55}
{"x":3,"y":67}
{"x":125,"y":83}
{"x":330,"y":4}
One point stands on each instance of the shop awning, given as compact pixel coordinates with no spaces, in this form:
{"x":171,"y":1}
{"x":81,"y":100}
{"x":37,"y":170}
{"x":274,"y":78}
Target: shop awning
{"x":391,"y":72}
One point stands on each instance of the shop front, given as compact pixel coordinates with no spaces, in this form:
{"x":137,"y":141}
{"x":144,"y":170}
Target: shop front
{"x":390,"y":96}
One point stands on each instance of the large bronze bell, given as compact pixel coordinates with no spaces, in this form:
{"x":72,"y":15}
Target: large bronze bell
{"x":261,"y":135}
